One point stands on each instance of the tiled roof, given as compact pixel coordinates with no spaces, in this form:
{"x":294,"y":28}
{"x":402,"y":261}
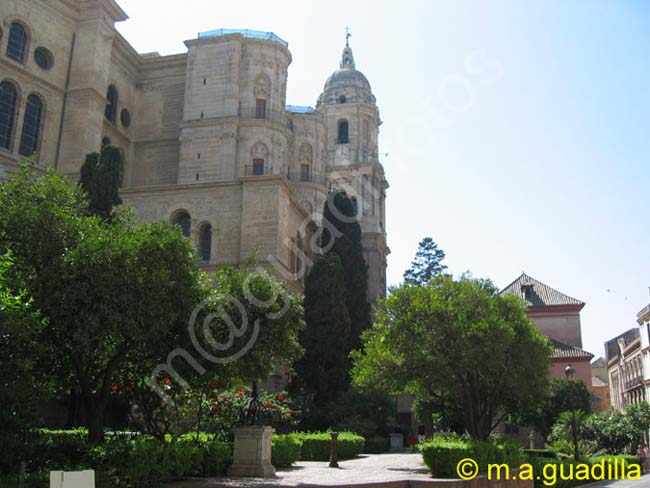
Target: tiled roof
{"x":537,"y":294}
{"x":601,"y":362}
{"x":597,"y":381}
{"x":565,"y":351}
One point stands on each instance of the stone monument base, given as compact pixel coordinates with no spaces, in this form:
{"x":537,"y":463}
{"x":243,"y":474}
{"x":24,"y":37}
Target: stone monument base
{"x":252,"y":456}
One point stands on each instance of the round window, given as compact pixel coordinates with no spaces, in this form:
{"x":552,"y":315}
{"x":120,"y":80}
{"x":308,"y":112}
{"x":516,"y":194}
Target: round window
{"x":43,"y":58}
{"x":125,"y":117}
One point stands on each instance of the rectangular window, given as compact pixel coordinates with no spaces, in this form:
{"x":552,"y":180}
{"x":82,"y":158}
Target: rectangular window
{"x":260,"y":108}
{"x":258,"y":167}
{"x":304,"y":172}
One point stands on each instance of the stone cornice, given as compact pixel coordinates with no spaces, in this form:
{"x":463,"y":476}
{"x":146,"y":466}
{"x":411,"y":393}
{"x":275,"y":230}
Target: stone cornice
{"x":144,"y":190}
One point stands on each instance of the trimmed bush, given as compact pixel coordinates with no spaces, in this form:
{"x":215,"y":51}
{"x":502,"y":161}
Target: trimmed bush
{"x":540,"y":453}
{"x":316,"y":445}
{"x":126,"y":460}
{"x":566,"y":465}
{"x":285,"y":450}
{"x":442,"y":454}
{"x":376,"y":445}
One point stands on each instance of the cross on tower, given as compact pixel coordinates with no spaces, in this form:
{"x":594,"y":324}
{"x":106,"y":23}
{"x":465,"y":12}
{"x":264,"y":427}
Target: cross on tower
{"x":347,"y":36}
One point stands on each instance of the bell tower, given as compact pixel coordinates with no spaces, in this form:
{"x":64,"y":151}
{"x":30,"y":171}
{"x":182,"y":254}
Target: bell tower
{"x":352,"y":132}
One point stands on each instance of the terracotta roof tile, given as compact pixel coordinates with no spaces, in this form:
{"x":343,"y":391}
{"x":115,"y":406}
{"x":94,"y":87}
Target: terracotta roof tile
{"x":565,"y":351}
{"x":537,"y":294}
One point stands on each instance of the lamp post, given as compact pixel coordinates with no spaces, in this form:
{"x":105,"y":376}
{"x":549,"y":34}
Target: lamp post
{"x":570,"y":373}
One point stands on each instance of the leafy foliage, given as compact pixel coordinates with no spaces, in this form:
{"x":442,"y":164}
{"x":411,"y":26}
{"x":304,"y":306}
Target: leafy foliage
{"x":322,"y":373}
{"x":442,"y":454}
{"x":341,"y":235}
{"x":101,"y":178}
{"x":458,"y":342}
{"x":315,"y":446}
{"x":563,"y":395}
{"x":427,"y":263}
{"x":23,"y":382}
{"x":618,"y":431}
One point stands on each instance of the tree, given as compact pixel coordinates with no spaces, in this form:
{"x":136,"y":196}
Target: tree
{"x":457,"y":342}
{"x":341,"y":235}
{"x":427,"y":263}
{"x":563,"y":395}
{"x":108,"y":292}
{"x":569,"y":428}
{"x":24,"y":380}
{"x":101,"y":178}
{"x":117,"y":298}
{"x":322,"y":373}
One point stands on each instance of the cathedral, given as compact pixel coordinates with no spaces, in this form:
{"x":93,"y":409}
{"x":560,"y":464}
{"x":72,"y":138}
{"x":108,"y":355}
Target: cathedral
{"x":208,"y":138}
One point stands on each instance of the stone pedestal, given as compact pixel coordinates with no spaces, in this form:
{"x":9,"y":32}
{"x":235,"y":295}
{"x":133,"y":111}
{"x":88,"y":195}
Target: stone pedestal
{"x":72,"y":479}
{"x":396,"y":442}
{"x":252,"y":456}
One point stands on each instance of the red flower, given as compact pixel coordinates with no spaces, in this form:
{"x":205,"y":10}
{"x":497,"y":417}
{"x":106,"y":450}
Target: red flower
{"x":269,"y":404}
{"x":120,"y":386}
{"x":215,"y":384}
{"x":167,"y":381}
{"x":114,"y":387}
{"x":280,"y":397}
{"x":128,"y":388}
{"x":215,"y":408}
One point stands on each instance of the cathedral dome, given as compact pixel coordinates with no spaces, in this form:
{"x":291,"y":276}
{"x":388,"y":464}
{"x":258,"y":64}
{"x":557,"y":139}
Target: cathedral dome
{"x":346,"y":85}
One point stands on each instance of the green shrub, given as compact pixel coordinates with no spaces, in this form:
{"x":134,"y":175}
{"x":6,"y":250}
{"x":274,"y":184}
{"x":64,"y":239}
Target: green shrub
{"x":442,"y":454}
{"x":540,"y":453}
{"x":316,"y":445}
{"x":376,"y":445}
{"x":564,"y":466}
{"x":285,"y":450}
{"x":125,"y":461}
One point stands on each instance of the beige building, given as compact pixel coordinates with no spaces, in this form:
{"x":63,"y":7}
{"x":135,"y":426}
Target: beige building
{"x":209,"y":140}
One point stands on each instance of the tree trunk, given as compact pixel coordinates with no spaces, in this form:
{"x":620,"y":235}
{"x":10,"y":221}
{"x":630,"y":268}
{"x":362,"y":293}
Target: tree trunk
{"x":95,"y":426}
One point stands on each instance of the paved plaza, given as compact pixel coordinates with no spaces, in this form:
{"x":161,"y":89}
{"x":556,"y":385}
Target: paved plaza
{"x":376,"y":468}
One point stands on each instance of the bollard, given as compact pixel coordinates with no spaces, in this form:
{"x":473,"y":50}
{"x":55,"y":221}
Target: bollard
{"x":333,"y":453}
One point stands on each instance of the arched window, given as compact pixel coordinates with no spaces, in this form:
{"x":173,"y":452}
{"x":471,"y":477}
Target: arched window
{"x":343,"y":132}
{"x":8,"y":102}
{"x":261,"y":92}
{"x":111,"y":104}
{"x":184,"y":221}
{"x":305,"y":157}
{"x":17,"y":42}
{"x":31,"y":126}
{"x":205,"y":242}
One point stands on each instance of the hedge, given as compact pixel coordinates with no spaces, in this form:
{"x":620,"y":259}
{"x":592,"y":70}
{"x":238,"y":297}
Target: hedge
{"x":442,"y":454}
{"x":124,"y":461}
{"x":285,"y":450}
{"x":315,"y":446}
{"x":564,"y":466}
{"x":376,"y":445}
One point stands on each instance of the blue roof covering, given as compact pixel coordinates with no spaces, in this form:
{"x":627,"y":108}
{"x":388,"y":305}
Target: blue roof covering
{"x":299,"y":109}
{"x":251,"y":34}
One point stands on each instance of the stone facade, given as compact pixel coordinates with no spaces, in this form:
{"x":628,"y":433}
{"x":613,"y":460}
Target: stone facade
{"x":206,"y":134}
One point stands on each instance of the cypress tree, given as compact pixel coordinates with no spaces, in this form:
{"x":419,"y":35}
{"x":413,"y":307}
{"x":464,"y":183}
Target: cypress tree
{"x":322,"y":373}
{"x":101,"y":178}
{"x":341,"y":235}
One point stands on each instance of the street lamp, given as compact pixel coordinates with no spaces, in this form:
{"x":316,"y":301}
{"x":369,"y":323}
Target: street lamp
{"x":570,"y":373}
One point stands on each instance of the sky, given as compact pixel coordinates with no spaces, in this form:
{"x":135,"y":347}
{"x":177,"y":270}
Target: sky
{"x":515,"y":133}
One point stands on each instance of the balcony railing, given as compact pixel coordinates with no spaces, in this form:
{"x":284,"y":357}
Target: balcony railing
{"x":303,"y":176}
{"x":259,"y":113}
{"x":257,"y":170}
